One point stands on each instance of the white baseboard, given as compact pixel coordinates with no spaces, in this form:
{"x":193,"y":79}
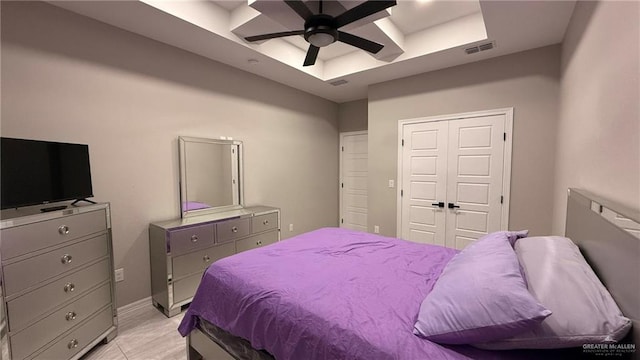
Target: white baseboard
{"x":135,"y":306}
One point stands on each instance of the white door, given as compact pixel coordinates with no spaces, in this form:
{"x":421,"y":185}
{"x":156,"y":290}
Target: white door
{"x":452,"y":173}
{"x":353,"y":180}
{"x":474,"y":178}
{"x":424,"y":182}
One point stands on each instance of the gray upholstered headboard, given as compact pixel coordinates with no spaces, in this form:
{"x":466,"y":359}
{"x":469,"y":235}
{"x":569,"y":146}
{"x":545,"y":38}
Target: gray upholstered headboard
{"x":613,"y":253}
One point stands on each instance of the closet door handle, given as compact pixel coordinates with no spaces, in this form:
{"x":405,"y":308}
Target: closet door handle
{"x":453,"y":206}
{"x":439,"y":204}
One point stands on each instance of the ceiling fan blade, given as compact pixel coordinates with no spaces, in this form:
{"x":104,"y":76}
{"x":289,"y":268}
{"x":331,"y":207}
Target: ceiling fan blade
{"x":273,"y":35}
{"x":300,"y":8}
{"x":357,"y":41}
{"x":312,"y":54}
{"x":362,"y":11}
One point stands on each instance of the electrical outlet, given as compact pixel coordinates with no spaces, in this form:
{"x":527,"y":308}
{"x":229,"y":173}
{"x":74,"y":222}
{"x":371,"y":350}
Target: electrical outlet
{"x":119,"y":274}
{"x":391,"y":183}
{"x":376,"y":229}
{"x":290,"y":227}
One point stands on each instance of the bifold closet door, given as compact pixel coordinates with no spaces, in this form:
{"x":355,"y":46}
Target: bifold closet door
{"x":452,"y":173}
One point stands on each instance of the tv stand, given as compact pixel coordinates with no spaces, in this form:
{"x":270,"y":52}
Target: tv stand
{"x":53,"y":208}
{"x":87,"y":200}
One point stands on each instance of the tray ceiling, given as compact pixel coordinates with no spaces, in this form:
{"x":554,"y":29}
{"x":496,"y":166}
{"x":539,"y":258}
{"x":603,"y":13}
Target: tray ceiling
{"x":419,"y":36}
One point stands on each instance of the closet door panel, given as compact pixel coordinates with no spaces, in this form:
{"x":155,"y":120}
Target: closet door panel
{"x":474,"y":178}
{"x":424,"y":177}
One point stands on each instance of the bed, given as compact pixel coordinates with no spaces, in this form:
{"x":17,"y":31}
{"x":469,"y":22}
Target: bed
{"x":312,"y":303}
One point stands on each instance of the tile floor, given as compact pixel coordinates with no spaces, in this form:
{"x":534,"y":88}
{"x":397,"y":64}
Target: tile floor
{"x":144,"y":333}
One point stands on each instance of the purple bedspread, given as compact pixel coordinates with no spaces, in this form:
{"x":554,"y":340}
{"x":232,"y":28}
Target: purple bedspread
{"x":328,"y":294}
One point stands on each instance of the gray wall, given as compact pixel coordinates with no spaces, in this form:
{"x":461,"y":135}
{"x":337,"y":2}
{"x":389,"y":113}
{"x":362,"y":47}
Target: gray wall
{"x":353,"y":115}
{"x":527,"y":81}
{"x":69,"y":78}
{"x":599,"y":125}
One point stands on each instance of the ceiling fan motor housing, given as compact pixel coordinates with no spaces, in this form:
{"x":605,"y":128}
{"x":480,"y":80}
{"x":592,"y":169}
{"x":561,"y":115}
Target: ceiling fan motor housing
{"x":320,"y":30}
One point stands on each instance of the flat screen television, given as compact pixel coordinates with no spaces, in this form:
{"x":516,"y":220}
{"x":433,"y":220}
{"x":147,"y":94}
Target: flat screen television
{"x":36,"y":172}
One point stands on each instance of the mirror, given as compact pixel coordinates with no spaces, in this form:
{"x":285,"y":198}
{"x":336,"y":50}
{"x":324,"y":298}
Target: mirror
{"x":210,"y":175}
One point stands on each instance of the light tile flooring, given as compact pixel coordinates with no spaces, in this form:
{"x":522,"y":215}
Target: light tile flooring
{"x":144,"y":333}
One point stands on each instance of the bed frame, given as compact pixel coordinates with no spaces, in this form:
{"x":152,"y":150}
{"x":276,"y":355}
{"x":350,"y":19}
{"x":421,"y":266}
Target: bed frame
{"x":613,"y":253}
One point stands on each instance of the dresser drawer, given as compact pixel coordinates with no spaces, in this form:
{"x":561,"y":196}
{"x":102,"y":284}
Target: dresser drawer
{"x":26,"y":273}
{"x":182,"y":241}
{"x":264,"y":222}
{"x":185,"y":288}
{"x":28,"y":307}
{"x":200,"y":260}
{"x":257,"y":241}
{"x":232,"y":229}
{"x":20,"y":240}
{"x":35,"y":336}
{"x":70,"y":344}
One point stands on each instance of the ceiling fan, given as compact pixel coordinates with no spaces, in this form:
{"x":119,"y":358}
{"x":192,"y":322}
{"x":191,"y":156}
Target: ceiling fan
{"x":322,"y":29}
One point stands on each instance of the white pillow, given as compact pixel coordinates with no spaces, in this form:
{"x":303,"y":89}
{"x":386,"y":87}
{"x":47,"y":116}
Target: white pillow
{"x":583,"y":311}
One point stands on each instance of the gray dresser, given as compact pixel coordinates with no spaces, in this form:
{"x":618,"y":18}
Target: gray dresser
{"x":181,"y":250}
{"x":58,"y":297}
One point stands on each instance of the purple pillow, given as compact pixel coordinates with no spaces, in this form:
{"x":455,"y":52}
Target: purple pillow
{"x":480,"y":296}
{"x":584,"y":312}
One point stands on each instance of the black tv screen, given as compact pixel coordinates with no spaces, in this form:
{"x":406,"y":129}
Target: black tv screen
{"x":38,"y":172}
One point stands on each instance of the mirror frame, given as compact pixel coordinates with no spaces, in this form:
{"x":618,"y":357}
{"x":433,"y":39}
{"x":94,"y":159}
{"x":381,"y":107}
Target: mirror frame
{"x":182,"y":141}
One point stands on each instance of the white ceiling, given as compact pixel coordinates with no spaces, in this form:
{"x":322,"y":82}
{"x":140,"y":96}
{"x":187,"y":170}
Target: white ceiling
{"x":419,"y":36}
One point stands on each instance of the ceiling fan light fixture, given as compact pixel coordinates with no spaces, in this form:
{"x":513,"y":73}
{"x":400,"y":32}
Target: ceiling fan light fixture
{"x":321,"y":39}
{"x":321,"y":29}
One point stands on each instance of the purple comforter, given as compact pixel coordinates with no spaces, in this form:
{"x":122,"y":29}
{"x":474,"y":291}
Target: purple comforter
{"x":328,"y":294}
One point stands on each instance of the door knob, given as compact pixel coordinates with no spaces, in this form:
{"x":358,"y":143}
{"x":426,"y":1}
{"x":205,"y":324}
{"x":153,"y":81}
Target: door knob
{"x":453,"y":206}
{"x":439,"y":204}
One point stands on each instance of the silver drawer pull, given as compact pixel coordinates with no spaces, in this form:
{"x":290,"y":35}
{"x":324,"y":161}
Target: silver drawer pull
{"x":63,"y":230}
{"x":206,"y":258}
{"x":194,"y":238}
{"x":234,"y":229}
{"x":66,"y":259}
{"x":266,"y":222}
{"x":72,"y":344}
{"x":69,"y":287}
{"x":259,"y":242}
{"x":70,"y":316}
